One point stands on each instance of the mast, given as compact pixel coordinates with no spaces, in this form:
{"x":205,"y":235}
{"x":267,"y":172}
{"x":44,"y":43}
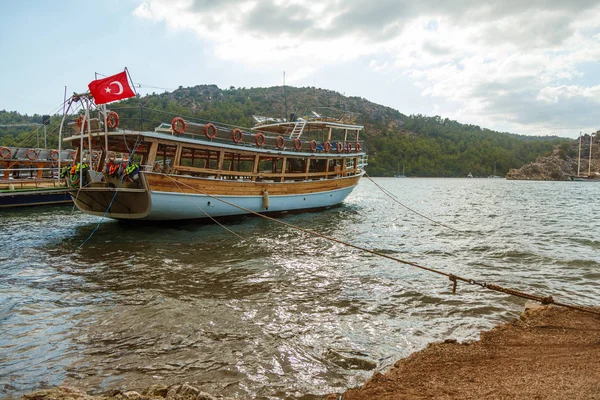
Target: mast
{"x":590,"y":159}
{"x":579,"y":155}
{"x":286,"y":116}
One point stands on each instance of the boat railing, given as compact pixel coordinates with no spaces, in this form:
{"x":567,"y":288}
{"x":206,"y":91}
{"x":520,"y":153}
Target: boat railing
{"x":260,"y":139}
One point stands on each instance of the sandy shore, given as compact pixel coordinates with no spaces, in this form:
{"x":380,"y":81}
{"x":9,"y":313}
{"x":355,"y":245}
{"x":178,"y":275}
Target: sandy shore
{"x":548,"y":353}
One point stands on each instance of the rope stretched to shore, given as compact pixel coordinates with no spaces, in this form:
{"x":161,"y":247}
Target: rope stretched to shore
{"x":395,"y":200}
{"x":454,"y":278}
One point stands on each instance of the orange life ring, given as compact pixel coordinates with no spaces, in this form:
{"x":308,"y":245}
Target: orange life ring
{"x":259,"y":139}
{"x":280,"y":142}
{"x":112,"y":119}
{"x":237,"y":135}
{"x":297,"y":144}
{"x":339,"y":147}
{"x":32,"y":154}
{"x":312,"y":145}
{"x":327,"y":146}
{"x":5,"y":152}
{"x":357,"y":145}
{"x":111,"y":156}
{"x":210,"y":131}
{"x":349,"y":147}
{"x":178,"y":125}
{"x":54,"y":155}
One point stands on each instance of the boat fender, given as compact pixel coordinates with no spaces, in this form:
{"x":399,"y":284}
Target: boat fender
{"x":266,"y":199}
{"x":178,"y":125}
{"x":210,"y":131}
{"x":112,"y":120}
{"x":54,"y":156}
{"x":327,"y":146}
{"x":259,"y":139}
{"x":357,"y":146}
{"x":340,"y":147}
{"x":5,"y":153}
{"x":32,"y":154}
{"x":313,"y":145}
{"x":280,"y":142}
{"x":237,"y":135}
{"x":297,"y":144}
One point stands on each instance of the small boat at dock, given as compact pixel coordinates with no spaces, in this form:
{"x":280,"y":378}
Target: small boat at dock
{"x":30,"y":176}
{"x":189,"y":169}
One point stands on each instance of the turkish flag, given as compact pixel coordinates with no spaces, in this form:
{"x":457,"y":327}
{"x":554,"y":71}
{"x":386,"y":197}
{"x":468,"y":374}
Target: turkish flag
{"x":112,"y":88}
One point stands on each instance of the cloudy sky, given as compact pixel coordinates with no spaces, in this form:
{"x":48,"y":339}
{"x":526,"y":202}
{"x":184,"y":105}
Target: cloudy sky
{"x":529,"y":67}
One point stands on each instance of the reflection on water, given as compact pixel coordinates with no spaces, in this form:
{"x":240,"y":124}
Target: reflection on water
{"x":281,"y":314}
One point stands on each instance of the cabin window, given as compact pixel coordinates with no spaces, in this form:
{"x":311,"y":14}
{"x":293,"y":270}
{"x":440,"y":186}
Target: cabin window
{"x":165,"y":158}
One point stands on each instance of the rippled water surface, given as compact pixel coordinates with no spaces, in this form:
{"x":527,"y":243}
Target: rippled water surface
{"x":282,"y":314}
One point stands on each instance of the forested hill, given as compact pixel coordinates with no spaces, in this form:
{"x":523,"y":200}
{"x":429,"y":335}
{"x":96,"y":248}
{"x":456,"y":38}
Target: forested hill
{"x":425,"y":146}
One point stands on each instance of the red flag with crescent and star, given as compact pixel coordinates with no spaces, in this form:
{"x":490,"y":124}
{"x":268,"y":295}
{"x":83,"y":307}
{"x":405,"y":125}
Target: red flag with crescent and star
{"x":111,"y":88}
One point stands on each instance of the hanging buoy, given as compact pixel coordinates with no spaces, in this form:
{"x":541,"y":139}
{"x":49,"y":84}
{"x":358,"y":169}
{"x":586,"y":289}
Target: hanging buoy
{"x":266,"y":199}
{"x":5,"y":153}
{"x":210,"y":131}
{"x":112,"y":119}
{"x":32,"y":154}
{"x":178,"y":125}
{"x":54,"y":156}
{"x":312,"y":145}
{"x":327,"y":146}
{"x":237,"y":135}
{"x":280,"y":142}
{"x":259,"y":139}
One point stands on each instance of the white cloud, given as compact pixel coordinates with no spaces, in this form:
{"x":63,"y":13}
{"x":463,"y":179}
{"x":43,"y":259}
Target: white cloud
{"x":495,"y":62}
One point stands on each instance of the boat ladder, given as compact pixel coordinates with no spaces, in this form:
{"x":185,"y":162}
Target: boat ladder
{"x":298,"y":128}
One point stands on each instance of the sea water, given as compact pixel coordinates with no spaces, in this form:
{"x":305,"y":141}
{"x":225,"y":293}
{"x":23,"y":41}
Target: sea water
{"x":272,"y":312}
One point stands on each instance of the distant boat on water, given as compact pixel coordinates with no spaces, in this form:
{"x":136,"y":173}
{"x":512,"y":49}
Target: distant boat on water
{"x":470,"y":175}
{"x":398,"y":175}
{"x":589,"y":177}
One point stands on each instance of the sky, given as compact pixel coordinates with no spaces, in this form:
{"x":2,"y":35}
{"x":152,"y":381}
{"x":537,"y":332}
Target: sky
{"x":526,"y":67}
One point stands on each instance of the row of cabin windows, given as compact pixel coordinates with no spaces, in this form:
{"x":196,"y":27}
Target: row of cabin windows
{"x":232,"y":162}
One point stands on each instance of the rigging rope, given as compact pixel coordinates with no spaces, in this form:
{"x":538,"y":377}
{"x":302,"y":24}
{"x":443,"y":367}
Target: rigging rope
{"x":454,"y":278}
{"x":395,"y":199}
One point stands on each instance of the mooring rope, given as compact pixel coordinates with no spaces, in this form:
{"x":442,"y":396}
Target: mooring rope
{"x":395,"y":200}
{"x":454,"y":278}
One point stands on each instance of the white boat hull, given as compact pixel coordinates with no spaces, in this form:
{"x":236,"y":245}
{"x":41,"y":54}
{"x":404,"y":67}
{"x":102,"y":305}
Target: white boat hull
{"x":177,"y":206}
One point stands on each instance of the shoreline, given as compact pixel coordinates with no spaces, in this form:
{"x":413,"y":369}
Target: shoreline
{"x":547,"y":353}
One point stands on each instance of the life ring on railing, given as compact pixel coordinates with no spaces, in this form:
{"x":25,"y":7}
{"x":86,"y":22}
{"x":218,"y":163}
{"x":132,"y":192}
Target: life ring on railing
{"x":357,"y":146}
{"x":340,"y":147}
{"x":178,"y":125}
{"x":5,"y":152}
{"x":210,"y":131}
{"x":259,"y":139}
{"x":95,"y":155}
{"x":237,"y":135}
{"x":111,"y":156}
{"x":312,"y":145}
{"x":32,"y":154}
{"x":297,"y":144}
{"x":280,"y":142}
{"x":327,"y":146}
{"x":349,"y":147}
{"x":112,"y":119}
{"x":54,"y":155}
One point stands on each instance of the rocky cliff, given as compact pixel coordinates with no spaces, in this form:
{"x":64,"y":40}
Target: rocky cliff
{"x":562,"y":163}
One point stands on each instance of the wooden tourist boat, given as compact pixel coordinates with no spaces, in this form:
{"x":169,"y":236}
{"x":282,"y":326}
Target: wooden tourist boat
{"x":196,"y":170}
{"x":30,"y":176}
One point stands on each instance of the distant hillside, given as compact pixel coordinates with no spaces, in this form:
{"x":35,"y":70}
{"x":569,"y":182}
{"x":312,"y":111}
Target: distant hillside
{"x":425,"y":146}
